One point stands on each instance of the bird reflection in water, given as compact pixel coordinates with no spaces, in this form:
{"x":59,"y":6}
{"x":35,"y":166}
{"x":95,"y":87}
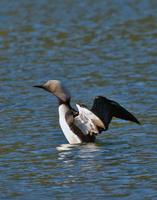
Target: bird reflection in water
{"x":68,"y":152}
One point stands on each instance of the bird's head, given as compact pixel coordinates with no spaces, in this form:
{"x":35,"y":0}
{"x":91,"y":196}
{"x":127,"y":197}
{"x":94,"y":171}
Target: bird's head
{"x":57,"y":88}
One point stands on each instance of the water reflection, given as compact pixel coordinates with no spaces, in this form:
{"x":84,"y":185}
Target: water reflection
{"x":66,"y":152}
{"x":65,"y":147}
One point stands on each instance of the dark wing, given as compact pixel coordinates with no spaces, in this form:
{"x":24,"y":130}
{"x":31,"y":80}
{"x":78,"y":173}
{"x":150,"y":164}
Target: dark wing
{"x":105,"y":109}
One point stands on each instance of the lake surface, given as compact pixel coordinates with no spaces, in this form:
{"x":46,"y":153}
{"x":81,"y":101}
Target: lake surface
{"x":97,"y":48}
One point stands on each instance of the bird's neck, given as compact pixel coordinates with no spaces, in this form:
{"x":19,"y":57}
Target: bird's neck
{"x":66,"y":102}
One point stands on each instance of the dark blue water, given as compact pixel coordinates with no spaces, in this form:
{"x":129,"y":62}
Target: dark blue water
{"x":97,"y":48}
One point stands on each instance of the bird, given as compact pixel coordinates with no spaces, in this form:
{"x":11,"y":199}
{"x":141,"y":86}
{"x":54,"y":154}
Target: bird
{"x":83,"y":125}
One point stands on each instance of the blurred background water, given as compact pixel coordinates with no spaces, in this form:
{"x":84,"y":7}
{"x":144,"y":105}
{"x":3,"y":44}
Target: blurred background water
{"x":97,"y":48}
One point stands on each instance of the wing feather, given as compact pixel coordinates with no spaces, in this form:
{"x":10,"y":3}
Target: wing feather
{"x":105,"y":109}
{"x":87,"y":121}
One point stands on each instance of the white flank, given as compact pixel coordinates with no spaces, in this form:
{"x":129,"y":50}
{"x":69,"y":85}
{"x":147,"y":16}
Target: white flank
{"x":70,"y":136}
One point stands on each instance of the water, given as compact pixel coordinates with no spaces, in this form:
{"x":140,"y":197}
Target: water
{"x":97,"y":48}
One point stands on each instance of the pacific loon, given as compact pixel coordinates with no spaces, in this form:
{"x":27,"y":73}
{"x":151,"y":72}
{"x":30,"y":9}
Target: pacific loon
{"x":83,"y":125}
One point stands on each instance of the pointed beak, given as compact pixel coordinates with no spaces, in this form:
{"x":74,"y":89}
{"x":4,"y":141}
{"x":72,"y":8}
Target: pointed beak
{"x":39,"y":86}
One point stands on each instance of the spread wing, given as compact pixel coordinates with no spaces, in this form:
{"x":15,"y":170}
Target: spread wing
{"x":105,"y":109}
{"x":87,"y":121}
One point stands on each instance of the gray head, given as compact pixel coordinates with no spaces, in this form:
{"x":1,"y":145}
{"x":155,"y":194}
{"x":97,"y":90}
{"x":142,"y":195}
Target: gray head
{"x":57,"y":88}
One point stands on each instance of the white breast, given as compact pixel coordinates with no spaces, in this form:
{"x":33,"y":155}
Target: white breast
{"x":70,"y":136}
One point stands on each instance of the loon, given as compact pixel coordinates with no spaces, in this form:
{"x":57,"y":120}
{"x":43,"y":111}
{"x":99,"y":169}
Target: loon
{"x":83,"y":125}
